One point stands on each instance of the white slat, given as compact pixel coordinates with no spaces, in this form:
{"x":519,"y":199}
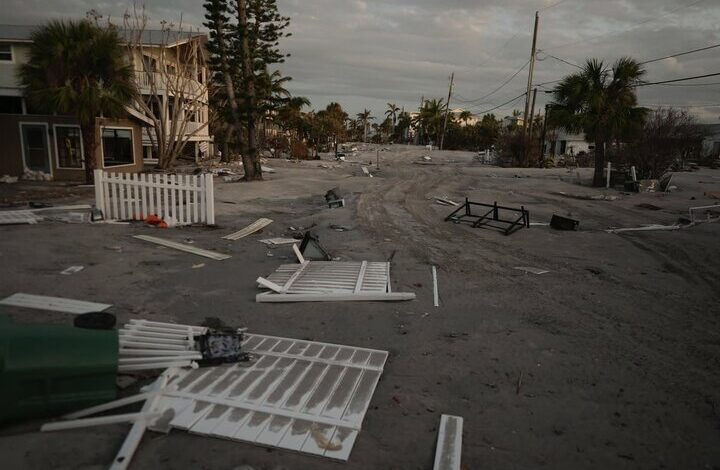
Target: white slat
{"x":449,"y":444}
{"x":56,"y":304}
{"x":183,"y":247}
{"x":250,"y":229}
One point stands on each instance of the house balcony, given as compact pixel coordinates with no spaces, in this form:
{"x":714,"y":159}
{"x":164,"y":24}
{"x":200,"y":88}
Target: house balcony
{"x":169,"y":84}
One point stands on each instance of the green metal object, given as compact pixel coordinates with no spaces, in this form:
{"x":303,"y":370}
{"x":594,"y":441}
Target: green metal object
{"x":47,"y":370}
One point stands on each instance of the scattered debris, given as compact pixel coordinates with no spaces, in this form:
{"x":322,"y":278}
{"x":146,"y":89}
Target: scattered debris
{"x":712,"y":195}
{"x":333,"y":200}
{"x":664,"y":183}
{"x":273,"y":242}
{"x":645,"y":228}
{"x":311,"y":248}
{"x":559,"y":222}
{"x":8,"y":179}
{"x":539,"y":224}
{"x":55,"y":304}
{"x":448,"y":451}
{"x":267,"y":169}
{"x":588,"y":197}
{"x":708,"y":210}
{"x":445,"y":202}
{"x":72,"y":270}
{"x":326,"y":281}
{"x":650,"y":207}
{"x":249,"y":230}
{"x":19,"y":217}
{"x":491,"y":216}
{"x":199,"y":265}
{"x":366,"y":171}
{"x":340,"y":228}
{"x":436,"y":297}
{"x":183,"y":247}
{"x":648,"y":186}
{"x":531,"y":270}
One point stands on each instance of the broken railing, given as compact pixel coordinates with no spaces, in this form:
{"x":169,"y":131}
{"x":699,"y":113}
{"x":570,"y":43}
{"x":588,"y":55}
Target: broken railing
{"x":188,"y":199}
{"x":491,"y":217}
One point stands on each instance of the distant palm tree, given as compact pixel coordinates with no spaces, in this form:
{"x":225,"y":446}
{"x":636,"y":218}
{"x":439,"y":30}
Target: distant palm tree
{"x":430,"y":119}
{"x":465,"y":116}
{"x":78,"y":68}
{"x":392,"y":112}
{"x":601,"y":102}
{"x":365,"y":117}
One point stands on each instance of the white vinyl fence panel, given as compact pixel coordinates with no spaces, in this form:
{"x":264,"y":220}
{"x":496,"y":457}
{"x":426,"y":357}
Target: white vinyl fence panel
{"x":188,"y":199}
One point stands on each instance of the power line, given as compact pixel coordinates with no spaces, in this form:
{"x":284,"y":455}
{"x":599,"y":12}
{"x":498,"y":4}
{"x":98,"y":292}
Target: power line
{"x":714,"y":105}
{"x":679,"y":54}
{"x":693,"y":84}
{"x":679,"y":79}
{"x":552,"y":6}
{"x":558,"y":58}
{"x":503,"y":104}
{"x":632,"y":26}
{"x":501,"y":48}
{"x":499,"y":87}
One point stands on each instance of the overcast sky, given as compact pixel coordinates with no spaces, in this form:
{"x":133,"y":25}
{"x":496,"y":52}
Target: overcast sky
{"x":364,"y":53}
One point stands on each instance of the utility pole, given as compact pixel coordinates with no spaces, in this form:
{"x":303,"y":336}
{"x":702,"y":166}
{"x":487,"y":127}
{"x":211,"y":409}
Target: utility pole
{"x":447,"y":110}
{"x":418,"y":137}
{"x":530,"y":72}
{"x":544,"y":134}
{"x":532,"y":111}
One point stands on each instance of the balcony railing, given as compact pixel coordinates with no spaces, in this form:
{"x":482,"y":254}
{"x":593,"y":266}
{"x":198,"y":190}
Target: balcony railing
{"x":166,"y":83}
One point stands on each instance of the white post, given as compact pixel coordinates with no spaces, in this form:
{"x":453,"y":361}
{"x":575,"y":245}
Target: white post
{"x":609,"y":171}
{"x":210,"y":199}
{"x":632,"y":172}
{"x":99,"y":197}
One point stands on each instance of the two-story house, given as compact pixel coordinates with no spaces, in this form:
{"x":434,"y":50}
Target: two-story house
{"x":49,"y":147}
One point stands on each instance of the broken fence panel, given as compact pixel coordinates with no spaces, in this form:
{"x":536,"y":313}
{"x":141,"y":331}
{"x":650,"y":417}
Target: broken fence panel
{"x":448,"y":451}
{"x":132,"y":196}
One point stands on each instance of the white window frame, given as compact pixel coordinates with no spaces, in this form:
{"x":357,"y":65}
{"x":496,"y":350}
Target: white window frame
{"x":102,"y":148}
{"x":57,"y":154}
{"x":22,"y":144}
{"x":12,"y":54}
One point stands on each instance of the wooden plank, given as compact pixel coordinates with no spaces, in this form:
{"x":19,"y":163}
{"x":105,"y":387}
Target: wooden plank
{"x":194,"y":196}
{"x":449,"y":444}
{"x":201,"y":201}
{"x":250,"y":229}
{"x":361,"y":275}
{"x":183,"y":247}
{"x":18,"y":217}
{"x":173,"y":201}
{"x":56,"y":304}
{"x":210,"y":198}
{"x":436,"y":297}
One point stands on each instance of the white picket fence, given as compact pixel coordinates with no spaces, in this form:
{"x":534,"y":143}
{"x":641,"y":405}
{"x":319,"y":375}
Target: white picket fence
{"x":187,"y":199}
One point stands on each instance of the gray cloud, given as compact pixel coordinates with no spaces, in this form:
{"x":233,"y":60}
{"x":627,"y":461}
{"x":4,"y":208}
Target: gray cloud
{"x":364,"y":53}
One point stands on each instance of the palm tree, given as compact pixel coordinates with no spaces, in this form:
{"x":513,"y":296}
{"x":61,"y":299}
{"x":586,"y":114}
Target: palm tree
{"x":430,"y":119}
{"x":465,"y":116}
{"x":600,"y":102}
{"x":78,"y":68}
{"x":364,"y":117}
{"x":392,"y":112}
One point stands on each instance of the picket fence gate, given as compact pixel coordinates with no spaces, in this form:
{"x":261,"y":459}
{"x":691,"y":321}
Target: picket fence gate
{"x":187,"y":199}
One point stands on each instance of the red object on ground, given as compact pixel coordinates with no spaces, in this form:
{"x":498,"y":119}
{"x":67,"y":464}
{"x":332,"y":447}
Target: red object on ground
{"x":153,"y":219}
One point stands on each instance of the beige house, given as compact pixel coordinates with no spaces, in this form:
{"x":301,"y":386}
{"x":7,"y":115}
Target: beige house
{"x":49,"y":147}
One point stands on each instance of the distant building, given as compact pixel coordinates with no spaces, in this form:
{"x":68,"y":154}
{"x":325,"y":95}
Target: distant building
{"x":711,"y":143}
{"x":510,"y":121}
{"x":559,"y":142}
{"x":51,"y":145}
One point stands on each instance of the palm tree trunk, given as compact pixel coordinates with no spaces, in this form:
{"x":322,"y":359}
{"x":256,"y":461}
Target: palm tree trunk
{"x":90,"y":149}
{"x":598,"y":180}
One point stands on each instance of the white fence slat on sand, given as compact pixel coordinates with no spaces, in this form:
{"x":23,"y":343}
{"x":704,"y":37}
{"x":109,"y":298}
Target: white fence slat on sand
{"x":129,"y":196}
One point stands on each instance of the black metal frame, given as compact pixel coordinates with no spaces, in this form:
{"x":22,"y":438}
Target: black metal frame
{"x":493,"y":215}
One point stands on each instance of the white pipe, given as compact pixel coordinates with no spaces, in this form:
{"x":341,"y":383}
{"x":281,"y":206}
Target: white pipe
{"x":609,"y":172}
{"x":153,"y":352}
{"x":632,"y":172}
{"x":145,"y":360}
{"x":156,"y":365}
{"x":109,"y":405}
{"x":142,"y":344}
{"x":99,"y":421}
{"x":436,"y":299}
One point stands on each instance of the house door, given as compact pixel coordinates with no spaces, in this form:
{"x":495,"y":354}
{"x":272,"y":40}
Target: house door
{"x":35,"y":147}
